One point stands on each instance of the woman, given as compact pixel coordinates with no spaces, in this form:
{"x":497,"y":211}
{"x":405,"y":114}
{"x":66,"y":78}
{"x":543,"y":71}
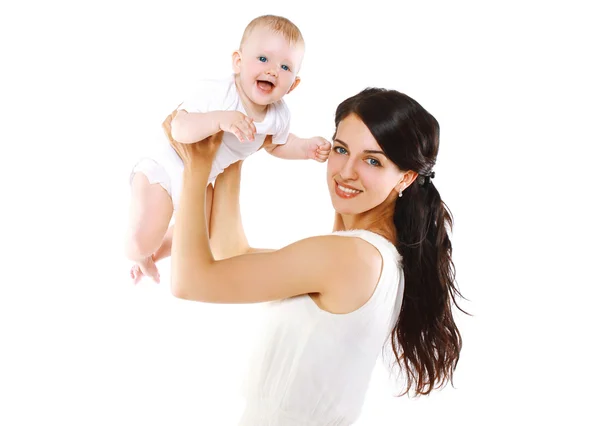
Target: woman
{"x":385,"y":272}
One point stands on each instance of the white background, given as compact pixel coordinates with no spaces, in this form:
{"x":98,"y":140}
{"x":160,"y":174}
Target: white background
{"x":84,"y":84}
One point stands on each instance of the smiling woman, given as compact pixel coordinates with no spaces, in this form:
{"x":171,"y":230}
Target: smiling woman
{"x":384,"y":273}
{"x":365,"y":169}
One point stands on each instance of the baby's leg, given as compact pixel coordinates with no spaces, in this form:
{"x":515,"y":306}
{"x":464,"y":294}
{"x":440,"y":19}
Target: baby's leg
{"x":151,"y":209}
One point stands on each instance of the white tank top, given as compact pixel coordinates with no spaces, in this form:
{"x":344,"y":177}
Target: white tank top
{"x":312,"y":367}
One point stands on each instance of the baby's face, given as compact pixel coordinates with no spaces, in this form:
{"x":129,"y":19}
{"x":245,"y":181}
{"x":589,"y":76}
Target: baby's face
{"x":268,"y":65}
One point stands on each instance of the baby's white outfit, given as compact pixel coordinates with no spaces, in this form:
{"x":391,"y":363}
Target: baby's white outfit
{"x":162,"y":165}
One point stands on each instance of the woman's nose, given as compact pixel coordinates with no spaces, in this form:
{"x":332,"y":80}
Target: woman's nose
{"x":348,"y":170}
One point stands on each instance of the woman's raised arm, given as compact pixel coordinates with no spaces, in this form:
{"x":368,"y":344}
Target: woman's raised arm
{"x":314,"y":265}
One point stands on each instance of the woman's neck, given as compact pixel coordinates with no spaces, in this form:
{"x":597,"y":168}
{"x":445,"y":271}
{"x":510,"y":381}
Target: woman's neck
{"x":379,"y":220}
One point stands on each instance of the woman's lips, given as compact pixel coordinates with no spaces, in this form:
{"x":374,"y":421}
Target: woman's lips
{"x":346,"y":192}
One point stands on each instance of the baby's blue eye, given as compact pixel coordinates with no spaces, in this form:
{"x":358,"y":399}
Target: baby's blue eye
{"x":340,"y":150}
{"x":262,"y":58}
{"x":285,"y":67}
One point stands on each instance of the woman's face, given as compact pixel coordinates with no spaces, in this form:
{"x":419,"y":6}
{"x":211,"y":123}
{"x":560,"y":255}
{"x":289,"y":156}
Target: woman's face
{"x":359,"y":175}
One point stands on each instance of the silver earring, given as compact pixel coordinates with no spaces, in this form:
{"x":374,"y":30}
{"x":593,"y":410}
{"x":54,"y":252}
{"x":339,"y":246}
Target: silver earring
{"x":399,"y":194}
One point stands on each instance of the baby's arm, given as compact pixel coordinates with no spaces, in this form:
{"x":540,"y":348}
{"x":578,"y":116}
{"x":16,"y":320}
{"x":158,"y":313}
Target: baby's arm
{"x":165,"y":247}
{"x":190,"y":127}
{"x":296,"y":148}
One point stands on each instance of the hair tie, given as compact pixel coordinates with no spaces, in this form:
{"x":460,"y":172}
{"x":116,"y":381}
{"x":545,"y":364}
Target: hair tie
{"x":426,"y":179}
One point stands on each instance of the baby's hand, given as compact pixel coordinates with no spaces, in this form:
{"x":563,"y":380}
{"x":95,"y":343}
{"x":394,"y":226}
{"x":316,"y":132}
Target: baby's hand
{"x":237,"y":123}
{"x":147,"y":268}
{"x":318,"y":149}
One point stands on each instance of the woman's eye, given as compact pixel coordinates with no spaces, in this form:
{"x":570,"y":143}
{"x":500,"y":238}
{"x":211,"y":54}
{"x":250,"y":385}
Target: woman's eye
{"x":340,"y":150}
{"x":373,"y":162}
{"x":262,"y":58}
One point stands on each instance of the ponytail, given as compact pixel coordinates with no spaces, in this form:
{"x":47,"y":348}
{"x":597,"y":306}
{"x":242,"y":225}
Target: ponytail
{"x":425,"y":339}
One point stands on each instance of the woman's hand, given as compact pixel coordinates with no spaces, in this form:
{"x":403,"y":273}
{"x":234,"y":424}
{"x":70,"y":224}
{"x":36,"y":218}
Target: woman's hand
{"x":197,"y":153}
{"x":166,"y":125}
{"x":200,"y":153}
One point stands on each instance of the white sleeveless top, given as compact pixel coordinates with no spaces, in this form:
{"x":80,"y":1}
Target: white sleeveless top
{"x":312,"y":367}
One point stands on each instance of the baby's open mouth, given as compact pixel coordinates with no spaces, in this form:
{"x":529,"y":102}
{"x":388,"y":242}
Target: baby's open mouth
{"x":265,"y":85}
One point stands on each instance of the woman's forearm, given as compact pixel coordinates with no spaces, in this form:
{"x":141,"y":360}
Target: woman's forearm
{"x":191,"y":254}
{"x":227,"y":236}
{"x":164,"y":250}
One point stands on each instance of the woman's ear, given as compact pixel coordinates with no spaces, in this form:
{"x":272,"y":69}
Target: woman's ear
{"x":407,"y":179}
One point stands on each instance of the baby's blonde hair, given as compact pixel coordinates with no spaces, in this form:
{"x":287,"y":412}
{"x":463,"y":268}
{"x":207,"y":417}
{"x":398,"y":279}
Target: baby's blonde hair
{"x":277,"y":24}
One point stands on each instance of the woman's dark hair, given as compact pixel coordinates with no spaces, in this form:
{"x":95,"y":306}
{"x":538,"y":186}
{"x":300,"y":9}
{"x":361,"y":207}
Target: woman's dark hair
{"x":425,"y":340}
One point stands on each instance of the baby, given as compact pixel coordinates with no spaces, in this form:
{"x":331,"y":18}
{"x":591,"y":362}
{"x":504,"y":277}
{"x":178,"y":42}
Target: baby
{"x":247,"y":106}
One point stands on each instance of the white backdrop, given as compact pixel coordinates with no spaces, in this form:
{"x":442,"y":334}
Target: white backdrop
{"x":515,"y":88}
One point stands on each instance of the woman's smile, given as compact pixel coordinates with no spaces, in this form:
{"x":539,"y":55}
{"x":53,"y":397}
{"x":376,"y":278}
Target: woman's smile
{"x":345,"y":192}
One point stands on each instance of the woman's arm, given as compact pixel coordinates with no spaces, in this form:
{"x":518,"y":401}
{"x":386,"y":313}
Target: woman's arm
{"x":226,"y":232}
{"x":227,"y":236}
{"x":314,"y":265}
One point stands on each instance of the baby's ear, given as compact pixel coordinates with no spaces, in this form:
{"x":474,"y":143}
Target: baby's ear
{"x":294,"y":84}
{"x":236,"y":61}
